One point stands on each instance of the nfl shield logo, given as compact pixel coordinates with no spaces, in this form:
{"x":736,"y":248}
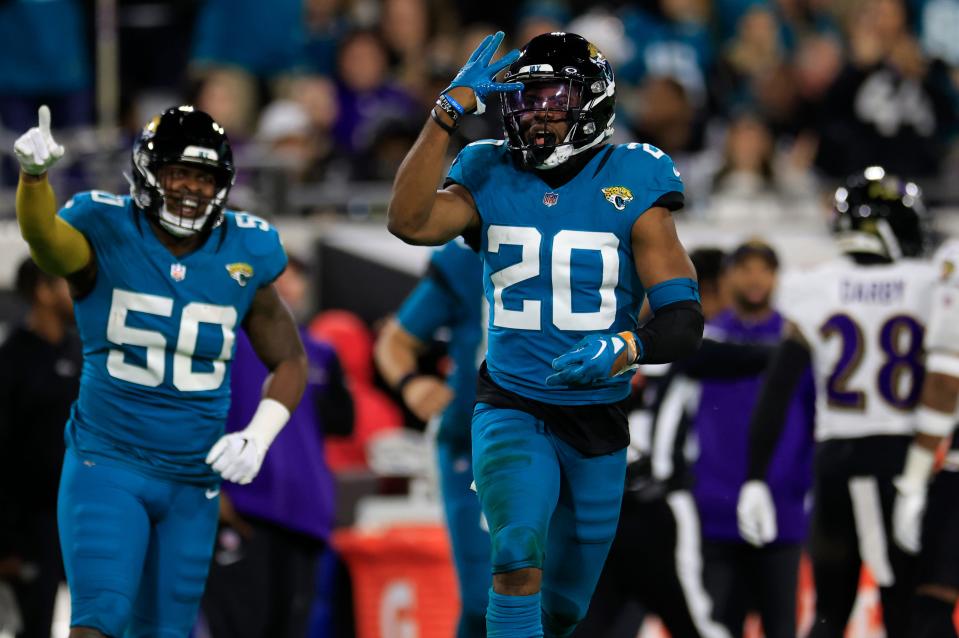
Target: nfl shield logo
{"x":550,"y":199}
{"x":178,"y":272}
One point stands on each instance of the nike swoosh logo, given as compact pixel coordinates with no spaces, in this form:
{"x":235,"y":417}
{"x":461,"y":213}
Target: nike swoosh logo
{"x":602,"y":347}
{"x":212,"y":494}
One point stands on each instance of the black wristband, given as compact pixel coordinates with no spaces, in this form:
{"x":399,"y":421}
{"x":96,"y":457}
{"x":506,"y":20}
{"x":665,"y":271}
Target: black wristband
{"x":440,"y":123}
{"x":404,"y":381}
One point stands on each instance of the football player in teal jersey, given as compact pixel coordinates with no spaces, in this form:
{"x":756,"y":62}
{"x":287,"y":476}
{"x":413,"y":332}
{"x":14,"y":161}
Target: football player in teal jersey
{"x":161,"y":281}
{"x":450,"y":295}
{"x":574,"y":234}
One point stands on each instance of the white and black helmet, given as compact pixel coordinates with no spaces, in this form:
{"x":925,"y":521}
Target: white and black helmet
{"x":560,"y":72}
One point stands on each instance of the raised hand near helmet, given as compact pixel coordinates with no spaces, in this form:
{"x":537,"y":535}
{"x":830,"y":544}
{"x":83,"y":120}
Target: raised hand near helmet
{"x":478,"y":75}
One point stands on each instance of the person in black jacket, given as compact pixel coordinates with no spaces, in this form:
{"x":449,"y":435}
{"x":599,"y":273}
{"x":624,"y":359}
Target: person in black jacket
{"x":39,"y":378}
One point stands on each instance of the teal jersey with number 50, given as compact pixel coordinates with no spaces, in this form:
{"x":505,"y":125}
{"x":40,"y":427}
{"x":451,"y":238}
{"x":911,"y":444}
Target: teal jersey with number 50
{"x":158,"y":335}
{"x":558,"y":262}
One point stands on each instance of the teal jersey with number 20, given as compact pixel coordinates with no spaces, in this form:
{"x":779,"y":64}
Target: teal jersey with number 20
{"x":158,"y":335}
{"x":558,"y":262}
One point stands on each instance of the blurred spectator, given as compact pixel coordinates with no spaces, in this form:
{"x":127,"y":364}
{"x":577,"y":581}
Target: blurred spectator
{"x":375,"y":412}
{"x":366,"y":94}
{"x":286,"y":137}
{"x":154,"y":40}
{"x":230,"y":96}
{"x":266,"y":39}
{"x":607,"y":31}
{"x":391,"y":141}
{"x":406,"y":29}
{"x":738,"y":576}
{"x":670,"y":40}
{"x":754,"y":184}
{"x":535,"y":17}
{"x":44,"y":60}
{"x":938,"y":25}
{"x":39,"y":379}
{"x":662,"y":114}
{"x":325,"y":25}
{"x":755,"y":55}
{"x":263,"y":575}
{"x":889,"y":106}
{"x":818,"y":61}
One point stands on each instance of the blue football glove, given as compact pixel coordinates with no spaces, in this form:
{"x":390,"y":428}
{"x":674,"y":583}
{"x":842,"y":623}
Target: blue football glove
{"x":477,"y":74}
{"x":596,"y":358}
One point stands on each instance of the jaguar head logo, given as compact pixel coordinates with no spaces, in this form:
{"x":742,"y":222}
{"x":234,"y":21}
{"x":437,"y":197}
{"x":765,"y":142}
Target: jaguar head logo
{"x":240,"y":272}
{"x":618,"y":196}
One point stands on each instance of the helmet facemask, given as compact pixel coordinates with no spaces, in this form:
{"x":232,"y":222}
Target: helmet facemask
{"x":550,"y":119}
{"x":561,"y":73}
{"x":191,"y":140}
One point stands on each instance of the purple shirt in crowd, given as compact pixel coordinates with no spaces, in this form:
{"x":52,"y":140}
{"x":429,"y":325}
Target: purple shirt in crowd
{"x":294,"y":488}
{"x":361,"y":114}
{"x":722,"y":429}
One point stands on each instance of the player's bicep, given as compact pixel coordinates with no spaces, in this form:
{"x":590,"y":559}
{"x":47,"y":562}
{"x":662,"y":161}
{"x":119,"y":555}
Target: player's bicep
{"x":657,"y":252}
{"x":272,"y":330}
{"x":454,"y":213}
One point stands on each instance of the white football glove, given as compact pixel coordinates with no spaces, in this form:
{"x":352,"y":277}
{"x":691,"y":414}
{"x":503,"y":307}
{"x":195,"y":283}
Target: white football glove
{"x":36,"y":149}
{"x":237,"y":457}
{"x":756,"y":514}
{"x":911,"y":498}
{"x":907,"y":518}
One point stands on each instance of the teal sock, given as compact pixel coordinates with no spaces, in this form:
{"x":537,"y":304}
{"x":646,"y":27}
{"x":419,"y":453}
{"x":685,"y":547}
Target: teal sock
{"x":514,"y":616}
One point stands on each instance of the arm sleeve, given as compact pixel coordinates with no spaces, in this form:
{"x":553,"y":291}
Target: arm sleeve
{"x":56,"y":245}
{"x":674,"y":332}
{"x":722,"y":360}
{"x":788,"y":364}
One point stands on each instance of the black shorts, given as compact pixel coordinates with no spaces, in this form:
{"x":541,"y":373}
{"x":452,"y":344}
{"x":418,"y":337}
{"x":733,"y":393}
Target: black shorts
{"x":939,"y":560}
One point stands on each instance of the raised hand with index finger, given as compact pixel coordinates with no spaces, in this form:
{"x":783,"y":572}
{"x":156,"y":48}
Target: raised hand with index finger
{"x":36,"y":150}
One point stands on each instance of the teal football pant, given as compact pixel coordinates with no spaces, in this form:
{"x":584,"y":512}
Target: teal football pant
{"x":136,"y":549}
{"x":548,"y":506}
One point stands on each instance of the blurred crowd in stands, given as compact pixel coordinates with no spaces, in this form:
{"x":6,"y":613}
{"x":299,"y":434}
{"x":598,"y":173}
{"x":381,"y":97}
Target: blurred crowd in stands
{"x":763,"y":104}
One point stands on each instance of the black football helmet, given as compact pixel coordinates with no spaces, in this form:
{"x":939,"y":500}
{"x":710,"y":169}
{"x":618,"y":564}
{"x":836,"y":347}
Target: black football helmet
{"x":562,"y":73}
{"x":181,"y":135}
{"x":879,"y":217}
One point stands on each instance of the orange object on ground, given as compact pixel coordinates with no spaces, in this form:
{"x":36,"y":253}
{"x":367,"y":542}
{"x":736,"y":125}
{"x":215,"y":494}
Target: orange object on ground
{"x":403,"y":581}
